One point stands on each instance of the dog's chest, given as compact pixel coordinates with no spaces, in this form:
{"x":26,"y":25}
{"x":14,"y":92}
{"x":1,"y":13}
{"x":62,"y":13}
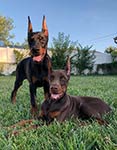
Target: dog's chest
{"x":39,"y":73}
{"x":64,"y":110}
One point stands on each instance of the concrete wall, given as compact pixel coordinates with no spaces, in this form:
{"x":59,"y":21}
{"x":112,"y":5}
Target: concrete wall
{"x":7,"y":55}
{"x":7,"y":60}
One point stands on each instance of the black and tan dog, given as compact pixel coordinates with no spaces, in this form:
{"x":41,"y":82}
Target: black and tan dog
{"x":35,"y":68}
{"x":63,"y":106}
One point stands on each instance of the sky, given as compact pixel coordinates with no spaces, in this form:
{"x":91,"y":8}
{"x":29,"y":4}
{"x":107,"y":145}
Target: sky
{"x":90,"y":22}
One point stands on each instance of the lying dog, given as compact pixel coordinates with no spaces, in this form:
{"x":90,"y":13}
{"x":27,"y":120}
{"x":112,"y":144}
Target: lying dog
{"x":35,"y":68}
{"x":63,"y":106}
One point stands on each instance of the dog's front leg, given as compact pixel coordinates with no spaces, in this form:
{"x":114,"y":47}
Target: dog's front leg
{"x":34,"y":108}
{"x":17,"y":84}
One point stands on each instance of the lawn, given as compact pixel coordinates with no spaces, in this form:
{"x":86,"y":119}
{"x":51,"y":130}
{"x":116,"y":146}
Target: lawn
{"x":69,"y":135}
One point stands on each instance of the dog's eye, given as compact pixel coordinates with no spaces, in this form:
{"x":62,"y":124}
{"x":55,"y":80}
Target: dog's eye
{"x":51,"y":77}
{"x":63,"y":80}
{"x":41,"y":38}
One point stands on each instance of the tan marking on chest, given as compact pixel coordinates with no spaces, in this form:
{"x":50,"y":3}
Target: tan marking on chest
{"x":54,"y":114}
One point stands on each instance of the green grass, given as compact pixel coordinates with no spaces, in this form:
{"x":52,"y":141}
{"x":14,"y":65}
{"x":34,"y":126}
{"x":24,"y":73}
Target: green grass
{"x":68,"y":135}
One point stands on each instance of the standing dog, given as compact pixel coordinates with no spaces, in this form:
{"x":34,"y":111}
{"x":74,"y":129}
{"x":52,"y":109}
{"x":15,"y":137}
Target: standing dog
{"x":62,"y":106}
{"x":35,"y":68}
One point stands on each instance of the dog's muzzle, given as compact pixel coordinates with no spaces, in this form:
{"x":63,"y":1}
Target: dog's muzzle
{"x":38,"y":54}
{"x":55,"y":93}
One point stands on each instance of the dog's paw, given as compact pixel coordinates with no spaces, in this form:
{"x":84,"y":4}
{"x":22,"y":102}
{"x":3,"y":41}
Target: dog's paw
{"x":34,"y":112}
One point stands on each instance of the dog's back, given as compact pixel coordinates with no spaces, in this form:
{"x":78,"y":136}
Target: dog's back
{"x":87,"y":107}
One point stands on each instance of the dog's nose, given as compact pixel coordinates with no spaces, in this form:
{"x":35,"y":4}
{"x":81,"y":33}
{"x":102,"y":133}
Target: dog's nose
{"x":35,"y":51}
{"x":54,"y":87}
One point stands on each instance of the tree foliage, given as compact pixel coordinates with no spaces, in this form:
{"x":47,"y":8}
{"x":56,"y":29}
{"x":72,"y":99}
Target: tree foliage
{"x":113,"y":51}
{"x":20,"y":54}
{"x":83,"y":59}
{"x":61,"y":47}
{"x":25,"y":44}
{"x":6,"y":25}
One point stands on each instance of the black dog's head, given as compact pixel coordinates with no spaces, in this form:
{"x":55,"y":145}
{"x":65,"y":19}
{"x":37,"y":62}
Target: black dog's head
{"x":38,"y":41}
{"x":58,"y":81}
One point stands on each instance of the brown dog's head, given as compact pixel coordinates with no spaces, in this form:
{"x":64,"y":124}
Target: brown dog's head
{"x":38,"y":41}
{"x":58,"y":81}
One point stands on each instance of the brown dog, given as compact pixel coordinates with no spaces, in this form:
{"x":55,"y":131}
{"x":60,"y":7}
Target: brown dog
{"x":62,"y":106}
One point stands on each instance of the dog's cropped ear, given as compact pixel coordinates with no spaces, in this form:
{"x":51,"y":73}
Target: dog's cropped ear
{"x":68,"y":67}
{"x":44,"y":26}
{"x":30,"y":29}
